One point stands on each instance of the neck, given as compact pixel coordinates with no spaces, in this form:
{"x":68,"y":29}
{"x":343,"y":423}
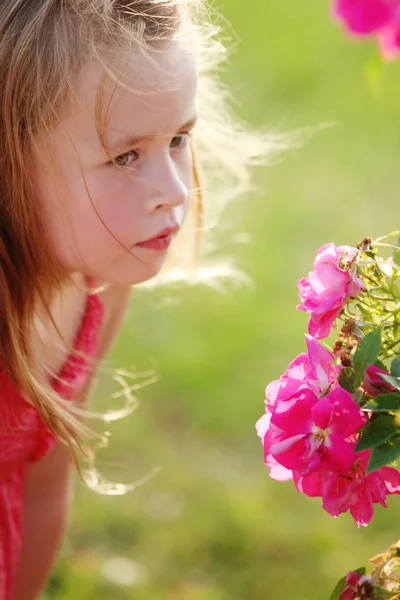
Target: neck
{"x":51,"y":342}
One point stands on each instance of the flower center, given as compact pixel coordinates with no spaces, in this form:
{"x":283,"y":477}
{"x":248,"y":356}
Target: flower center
{"x":347,"y":262}
{"x":320,"y":436}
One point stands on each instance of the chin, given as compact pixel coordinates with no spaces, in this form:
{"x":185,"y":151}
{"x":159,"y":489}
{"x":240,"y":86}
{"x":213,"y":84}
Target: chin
{"x":135,"y":276}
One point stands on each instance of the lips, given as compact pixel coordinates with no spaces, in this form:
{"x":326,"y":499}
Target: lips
{"x":161,"y":241}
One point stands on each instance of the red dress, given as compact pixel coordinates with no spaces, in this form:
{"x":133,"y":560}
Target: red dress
{"x":24,"y":438}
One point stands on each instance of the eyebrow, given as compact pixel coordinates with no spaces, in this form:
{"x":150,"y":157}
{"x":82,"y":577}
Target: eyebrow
{"x":132,"y":140}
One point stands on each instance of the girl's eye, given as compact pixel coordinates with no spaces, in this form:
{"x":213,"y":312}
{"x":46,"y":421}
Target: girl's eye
{"x":180,"y":141}
{"x":124,"y":160}
{"x":127,"y":158}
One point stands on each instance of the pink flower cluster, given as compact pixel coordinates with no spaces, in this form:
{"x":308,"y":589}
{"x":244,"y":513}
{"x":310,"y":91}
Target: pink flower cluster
{"x":379,"y":18}
{"x":310,"y":427}
{"x":309,"y":435}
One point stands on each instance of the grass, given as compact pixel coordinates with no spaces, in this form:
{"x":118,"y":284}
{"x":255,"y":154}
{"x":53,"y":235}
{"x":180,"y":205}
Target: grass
{"x":211,"y":525}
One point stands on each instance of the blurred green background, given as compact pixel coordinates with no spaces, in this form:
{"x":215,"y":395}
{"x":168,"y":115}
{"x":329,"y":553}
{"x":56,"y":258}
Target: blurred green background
{"x":212,"y":525}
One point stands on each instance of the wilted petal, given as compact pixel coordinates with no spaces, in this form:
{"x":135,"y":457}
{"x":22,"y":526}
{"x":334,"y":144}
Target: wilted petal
{"x":376,"y":488}
{"x":362,"y":511}
{"x":338,"y":493}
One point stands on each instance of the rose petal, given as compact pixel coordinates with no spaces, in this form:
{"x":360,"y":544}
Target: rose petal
{"x":294,"y":415}
{"x":391,"y":479}
{"x":321,"y":361}
{"x":347,"y":416}
{"x":339,"y":454}
{"x":364,"y":17}
{"x":310,"y":485}
{"x":362,"y":511}
{"x":289,"y":452}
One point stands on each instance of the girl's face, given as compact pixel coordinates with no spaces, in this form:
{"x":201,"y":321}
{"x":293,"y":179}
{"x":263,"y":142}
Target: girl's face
{"x":105,"y":221}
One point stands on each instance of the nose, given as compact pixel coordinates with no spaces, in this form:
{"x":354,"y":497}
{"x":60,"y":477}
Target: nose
{"x":166,"y":187}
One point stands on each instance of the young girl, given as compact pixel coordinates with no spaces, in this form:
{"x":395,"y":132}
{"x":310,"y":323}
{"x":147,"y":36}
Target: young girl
{"x":98,"y":100}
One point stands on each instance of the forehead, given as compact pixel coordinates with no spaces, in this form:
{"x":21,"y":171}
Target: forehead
{"x":152,"y":94}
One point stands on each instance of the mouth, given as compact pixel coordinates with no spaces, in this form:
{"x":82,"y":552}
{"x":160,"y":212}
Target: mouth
{"x":161,"y":241}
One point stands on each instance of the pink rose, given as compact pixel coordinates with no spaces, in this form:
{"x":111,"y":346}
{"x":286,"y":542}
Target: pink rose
{"x":329,"y":287}
{"x":373,"y":17}
{"x":373,"y":384}
{"x":306,"y":433}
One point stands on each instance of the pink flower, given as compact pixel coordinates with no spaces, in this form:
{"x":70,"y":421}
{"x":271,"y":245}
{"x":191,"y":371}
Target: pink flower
{"x":276,"y":471}
{"x":357,"y":586}
{"x":314,"y":370}
{"x":373,"y":384}
{"x":365,"y":17}
{"x":306,"y":434}
{"x":353,"y":489}
{"x":329,"y":287}
{"x":373,"y":17}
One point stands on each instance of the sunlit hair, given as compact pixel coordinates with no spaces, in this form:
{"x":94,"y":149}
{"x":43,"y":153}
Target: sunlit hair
{"x":44,"y":46}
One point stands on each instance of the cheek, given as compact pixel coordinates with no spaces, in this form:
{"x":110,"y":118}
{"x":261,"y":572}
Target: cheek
{"x":185,"y":170}
{"x":117,"y":200}
{"x":59,"y":217}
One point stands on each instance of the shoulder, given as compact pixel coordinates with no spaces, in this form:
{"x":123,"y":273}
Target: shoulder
{"x":115,"y":299}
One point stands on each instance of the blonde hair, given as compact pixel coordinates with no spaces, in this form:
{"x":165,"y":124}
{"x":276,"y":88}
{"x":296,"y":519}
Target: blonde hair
{"x":44,"y":45}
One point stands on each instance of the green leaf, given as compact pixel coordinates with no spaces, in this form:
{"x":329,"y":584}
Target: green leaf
{"x":358,"y":397}
{"x":366,"y":354}
{"x":384,"y":454}
{"x":366,"y":314}
{"x":346,"y":380}
{"x":394,"y":282}
{"x":342,"y":584}
{"x":396,"y":257}
{"x":381,"y":594}
{"x":395,"y":367}
{"x":393,"y":381}
{"x":377,"y":432}
{"x":384,"y":403}
{"x":378,"y":363}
